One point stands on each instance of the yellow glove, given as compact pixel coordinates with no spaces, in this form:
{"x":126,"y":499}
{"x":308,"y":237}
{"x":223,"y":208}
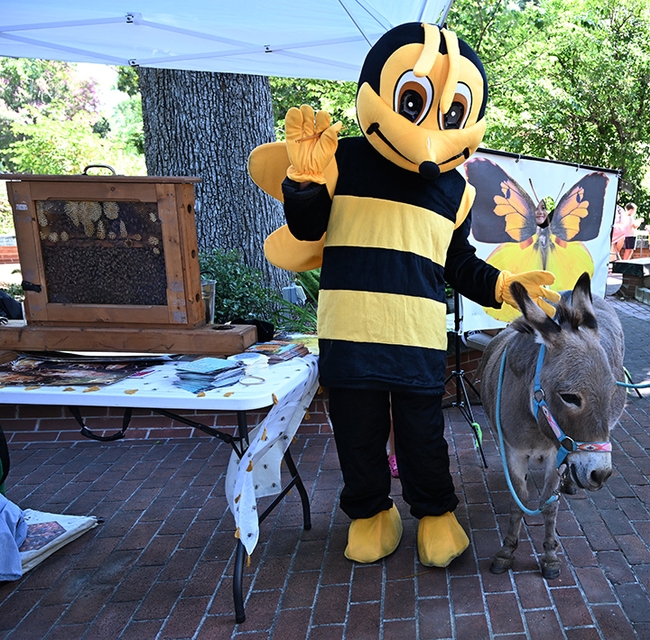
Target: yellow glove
{"x":535,"y":282}
{"x":311,"y":143}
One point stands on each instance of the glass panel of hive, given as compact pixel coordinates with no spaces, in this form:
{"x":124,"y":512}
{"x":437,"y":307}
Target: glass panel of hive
{"x":108,"y":253}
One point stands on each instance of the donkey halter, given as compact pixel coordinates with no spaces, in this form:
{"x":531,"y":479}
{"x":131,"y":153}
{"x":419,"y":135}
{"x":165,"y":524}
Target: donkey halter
{"x":567,"y":444}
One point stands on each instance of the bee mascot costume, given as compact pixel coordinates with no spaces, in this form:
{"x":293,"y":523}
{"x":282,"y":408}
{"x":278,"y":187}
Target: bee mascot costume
{"x":387,"y":217}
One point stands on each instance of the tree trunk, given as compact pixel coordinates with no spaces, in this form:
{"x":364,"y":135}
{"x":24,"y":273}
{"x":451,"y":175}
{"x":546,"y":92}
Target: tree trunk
{"x":204,"y":124}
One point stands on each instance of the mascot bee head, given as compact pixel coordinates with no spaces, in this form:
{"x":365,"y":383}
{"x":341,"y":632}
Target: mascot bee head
{"x":421,"y":99}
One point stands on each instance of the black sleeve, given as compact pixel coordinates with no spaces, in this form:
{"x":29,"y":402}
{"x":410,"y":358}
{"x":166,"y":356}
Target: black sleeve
{"x":307,"y":211}
{"x":468,"y":274}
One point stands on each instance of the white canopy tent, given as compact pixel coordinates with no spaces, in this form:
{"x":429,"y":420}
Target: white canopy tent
{"x":326,"y":39}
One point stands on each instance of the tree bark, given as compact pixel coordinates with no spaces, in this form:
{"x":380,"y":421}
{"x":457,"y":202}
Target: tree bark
{"x":204,"y":124}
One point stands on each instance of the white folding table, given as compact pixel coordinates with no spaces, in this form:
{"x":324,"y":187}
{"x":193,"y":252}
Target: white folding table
{"x":254,"y":469}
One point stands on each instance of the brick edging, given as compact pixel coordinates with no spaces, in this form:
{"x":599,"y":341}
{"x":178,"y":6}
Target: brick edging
{"x":9,"y":254}
{"x":32,"y":424}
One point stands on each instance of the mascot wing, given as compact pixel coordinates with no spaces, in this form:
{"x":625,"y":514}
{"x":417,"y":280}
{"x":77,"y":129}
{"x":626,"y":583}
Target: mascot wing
{"x":267,"y":166}
{"x":283,"y":250}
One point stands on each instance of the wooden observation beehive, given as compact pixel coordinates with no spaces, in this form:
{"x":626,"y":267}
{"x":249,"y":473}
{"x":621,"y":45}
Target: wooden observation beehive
{"x":111,"y":262}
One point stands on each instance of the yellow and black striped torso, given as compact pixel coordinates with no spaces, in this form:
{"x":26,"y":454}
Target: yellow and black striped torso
{"x":382,"y":299}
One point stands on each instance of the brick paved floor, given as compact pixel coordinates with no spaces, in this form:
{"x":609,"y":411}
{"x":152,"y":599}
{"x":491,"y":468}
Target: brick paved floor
{"x":160,"y":566}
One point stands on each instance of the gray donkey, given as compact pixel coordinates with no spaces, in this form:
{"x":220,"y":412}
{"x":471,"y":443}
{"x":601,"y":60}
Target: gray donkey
{"x":555,"y":409}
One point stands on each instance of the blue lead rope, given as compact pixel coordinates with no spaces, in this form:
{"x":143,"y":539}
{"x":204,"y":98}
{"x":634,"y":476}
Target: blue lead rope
{"x":520,"y":504}
{"x":628,"y":385}
{"x":567,"y":445}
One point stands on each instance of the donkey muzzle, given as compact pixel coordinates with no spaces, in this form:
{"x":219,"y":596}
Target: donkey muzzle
{"x":590,"y":470}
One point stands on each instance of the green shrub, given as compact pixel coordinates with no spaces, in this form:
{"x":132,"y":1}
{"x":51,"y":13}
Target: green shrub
{"x":15,"y":291}
{"x":239,"y":289}
{"x":293,"y":318}
{"x":6,"y":215}
{"x":310,"y":282}
{"x":240,"y":293}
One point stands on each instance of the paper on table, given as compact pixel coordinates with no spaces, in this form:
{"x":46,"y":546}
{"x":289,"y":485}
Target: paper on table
{"x":206,"y":365}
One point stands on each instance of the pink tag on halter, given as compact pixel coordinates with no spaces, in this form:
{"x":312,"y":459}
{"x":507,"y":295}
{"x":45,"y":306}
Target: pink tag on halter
{"x":605,"y":447}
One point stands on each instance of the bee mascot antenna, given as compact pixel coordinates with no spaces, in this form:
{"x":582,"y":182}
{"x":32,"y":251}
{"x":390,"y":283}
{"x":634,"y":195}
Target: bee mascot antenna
{"x":387,"y":217}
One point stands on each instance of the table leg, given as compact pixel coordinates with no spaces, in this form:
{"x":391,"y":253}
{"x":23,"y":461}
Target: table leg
{"x":242,"y":424}
{"x":237,"y":583}
{"x":234,"y":441}
{"x":238,"y":576}
{"x":304,"y":498}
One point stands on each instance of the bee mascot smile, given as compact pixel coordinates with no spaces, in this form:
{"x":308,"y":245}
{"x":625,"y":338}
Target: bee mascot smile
{"x":387,"y":216}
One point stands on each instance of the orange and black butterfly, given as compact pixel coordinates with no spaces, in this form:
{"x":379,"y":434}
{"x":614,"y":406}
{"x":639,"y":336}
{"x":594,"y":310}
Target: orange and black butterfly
{"x":503,"y":213}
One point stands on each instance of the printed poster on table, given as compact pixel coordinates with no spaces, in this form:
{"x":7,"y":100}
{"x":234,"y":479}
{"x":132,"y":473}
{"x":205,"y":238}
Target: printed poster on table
{"x":514,"y":194}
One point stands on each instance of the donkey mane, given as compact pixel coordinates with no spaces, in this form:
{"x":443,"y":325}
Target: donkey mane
{"x":569,"y":317}
{"x":573,"y":312}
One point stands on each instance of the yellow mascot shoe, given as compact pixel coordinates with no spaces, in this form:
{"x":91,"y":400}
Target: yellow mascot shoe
{"x":370,"y":539}
{"x":440,"y":540}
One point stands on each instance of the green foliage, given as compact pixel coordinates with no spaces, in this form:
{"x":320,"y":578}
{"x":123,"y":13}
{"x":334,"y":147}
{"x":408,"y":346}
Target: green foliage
{"x":127,"y":80}
{"x":337,"y":98}
{"x":128,"y":114}
{"x":310,"y":282}
{"x":44,"y":84}
{"x":15,"y":291}
{"x":101,"y":127}
{"x":53,"y":146}
{"x":569,"y":80}
{"x":51,"y":123}
{"x":240,"y":293}
{"x":50,"y":145}
{"x":127,"y":125}
{"x":6,"y":215}
{"x":303,"y":319}
{"x":292,"y":318}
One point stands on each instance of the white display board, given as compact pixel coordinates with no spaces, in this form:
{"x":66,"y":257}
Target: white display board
{"x":509,"y":189}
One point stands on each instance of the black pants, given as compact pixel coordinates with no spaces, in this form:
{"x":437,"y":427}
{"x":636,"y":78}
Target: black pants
{"x":361,"y":420}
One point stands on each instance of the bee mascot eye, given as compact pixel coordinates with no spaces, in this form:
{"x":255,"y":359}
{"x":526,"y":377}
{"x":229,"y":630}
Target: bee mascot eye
{"x":413,"y":97}
{"x":454,"y":116}
{"x":410,"y":105}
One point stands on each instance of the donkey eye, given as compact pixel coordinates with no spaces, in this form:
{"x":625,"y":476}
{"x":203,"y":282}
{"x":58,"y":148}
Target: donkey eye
{"x":571,"y":398}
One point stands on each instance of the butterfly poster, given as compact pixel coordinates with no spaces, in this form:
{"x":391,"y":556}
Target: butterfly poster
{"x":534,"y":214}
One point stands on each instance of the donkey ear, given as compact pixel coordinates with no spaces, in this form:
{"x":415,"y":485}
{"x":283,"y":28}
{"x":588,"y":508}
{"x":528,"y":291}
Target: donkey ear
{"x":582,"y":289}
{"x":534,"y":320}
{"x":582,"y":311}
